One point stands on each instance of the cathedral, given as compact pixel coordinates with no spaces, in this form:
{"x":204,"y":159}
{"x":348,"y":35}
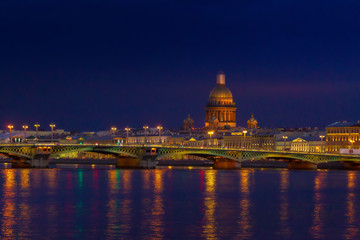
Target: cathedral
{"x":220,"y":110}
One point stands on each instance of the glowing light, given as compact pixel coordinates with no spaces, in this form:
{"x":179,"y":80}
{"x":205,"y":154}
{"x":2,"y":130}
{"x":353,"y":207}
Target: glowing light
{"x":211,"y":133}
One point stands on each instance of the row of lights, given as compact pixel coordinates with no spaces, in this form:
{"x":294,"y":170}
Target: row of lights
{"x":127,"y":129}
{"x":286,"y":137}
{"x":36,"y":125}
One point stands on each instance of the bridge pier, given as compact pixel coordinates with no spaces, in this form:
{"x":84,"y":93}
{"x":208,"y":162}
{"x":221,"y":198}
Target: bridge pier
{"x":351,"y":165}
{"x":302,"y":165}
{"x":39,"y":163}
{"x":226,"y":164}
{"x":148,"y":162}
{"x":127,"y":162}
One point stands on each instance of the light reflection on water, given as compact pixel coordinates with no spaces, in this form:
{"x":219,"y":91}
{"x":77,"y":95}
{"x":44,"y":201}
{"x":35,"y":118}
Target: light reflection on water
{"x":209,"y":226}
{"x":352,"y":227}
{"x":284,"y":204}
{"x":319,"y":213}
{"x":178,"y":204}
{"x":244,"y":224}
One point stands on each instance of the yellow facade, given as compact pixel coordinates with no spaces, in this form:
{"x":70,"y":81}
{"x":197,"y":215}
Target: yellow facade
{"x":342,"y":135}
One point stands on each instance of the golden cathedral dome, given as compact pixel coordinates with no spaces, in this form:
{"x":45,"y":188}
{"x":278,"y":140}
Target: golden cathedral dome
{"x":220,"y":91}
{"x":220,"y":110}
{"x":220,"y":94}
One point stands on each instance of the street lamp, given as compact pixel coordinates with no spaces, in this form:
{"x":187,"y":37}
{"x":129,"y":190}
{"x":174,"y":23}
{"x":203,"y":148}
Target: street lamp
{"x":127,"y":133}
{"x":10,"y":127}
{"x":145,"y":129}
{"x":321,"y":136}
{"x":210,"y":134}
{"x":25,"y":127}
{"x":52,"y":131}
{"x":37,"y":128}
{"x":159,"y":128}
{"x":352,"y":143}
{"x":113,"y":129}
{"x":244,"y":132}
{"x":285,"y":137}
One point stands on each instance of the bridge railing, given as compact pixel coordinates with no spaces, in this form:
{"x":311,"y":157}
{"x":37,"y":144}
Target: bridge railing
{"x":174,"y":147}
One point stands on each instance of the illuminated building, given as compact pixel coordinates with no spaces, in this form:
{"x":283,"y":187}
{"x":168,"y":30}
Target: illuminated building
{"x":176,"y":140}
{"x":203,"y":142}
{"x":149,"y":139}
{"x":220,"y":110}
{"x":252,"y":123}
{"x":306,"y":144}
{"x":342,"y":135}
{"x":237,"y":140}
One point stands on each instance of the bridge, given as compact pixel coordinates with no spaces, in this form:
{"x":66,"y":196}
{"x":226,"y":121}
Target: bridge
{"x":147,"y":156}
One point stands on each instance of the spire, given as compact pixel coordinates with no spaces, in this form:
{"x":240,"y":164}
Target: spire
{"x":220,"y":78}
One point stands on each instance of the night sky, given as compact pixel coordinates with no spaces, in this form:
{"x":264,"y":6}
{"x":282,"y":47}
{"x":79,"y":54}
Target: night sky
{"x":94,"y":64}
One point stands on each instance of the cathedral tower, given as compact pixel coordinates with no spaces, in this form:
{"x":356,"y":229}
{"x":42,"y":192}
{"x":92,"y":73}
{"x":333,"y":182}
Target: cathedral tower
{"x":220,"y":110}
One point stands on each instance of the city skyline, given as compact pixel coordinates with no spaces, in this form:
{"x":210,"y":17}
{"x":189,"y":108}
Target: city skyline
{"x":179,"y":119}
{"x":88,"y":67}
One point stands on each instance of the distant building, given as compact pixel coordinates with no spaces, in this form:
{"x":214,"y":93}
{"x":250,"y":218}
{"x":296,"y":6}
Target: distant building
{"x":260,"y":141}
{"x":201,"y":142}
{"x":220,"y":110}
{"x":342,"y":135}
{"x":307,"y":144}
{"x":176,"y":140}
{"x":300,"y":140}
{"x":188,"y":123}
{"x":149,"y":139}
{"x":252,"y":123}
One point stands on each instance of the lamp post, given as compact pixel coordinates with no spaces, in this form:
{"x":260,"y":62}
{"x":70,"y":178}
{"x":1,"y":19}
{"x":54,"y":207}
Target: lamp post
{"x":10,"y":127}
{"x":285,"y":137}
{"x":145,"y":129}
{"x":25,"y":127}
{"x":37,"y":128}
{"x":321,"y":137}
{"x":351,"y":143}
{"x":113,"y":129}
{"x":244,"y":132}
{"x":210,"y":134}
{"x":52,"y":131}
{"x":159,"y":128}
{"x":127,"y":133}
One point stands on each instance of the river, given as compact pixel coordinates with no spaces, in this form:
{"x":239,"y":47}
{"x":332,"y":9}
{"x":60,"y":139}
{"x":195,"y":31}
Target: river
{"x":179,"y":204}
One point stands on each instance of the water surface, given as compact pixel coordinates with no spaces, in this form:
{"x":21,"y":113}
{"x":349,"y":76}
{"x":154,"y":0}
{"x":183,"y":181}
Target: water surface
{"x":179,"y":204}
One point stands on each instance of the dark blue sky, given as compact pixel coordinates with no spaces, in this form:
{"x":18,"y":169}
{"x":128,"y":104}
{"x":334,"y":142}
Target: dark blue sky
{"x":92,"y":64}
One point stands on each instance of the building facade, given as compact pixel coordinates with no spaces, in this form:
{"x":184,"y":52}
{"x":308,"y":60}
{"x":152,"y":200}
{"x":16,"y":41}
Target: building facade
{"x":307,"y":144}
{"x":240,"y":140}
{"x":342,"y":135}
{"x":221,"y":109}
{"x":149,"y":139}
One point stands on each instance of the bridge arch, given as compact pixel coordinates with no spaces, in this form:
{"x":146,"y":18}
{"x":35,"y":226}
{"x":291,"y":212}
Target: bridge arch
{"x":131,"y":152}
{"x":20,"y":152}
{"x":163,"y":152}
